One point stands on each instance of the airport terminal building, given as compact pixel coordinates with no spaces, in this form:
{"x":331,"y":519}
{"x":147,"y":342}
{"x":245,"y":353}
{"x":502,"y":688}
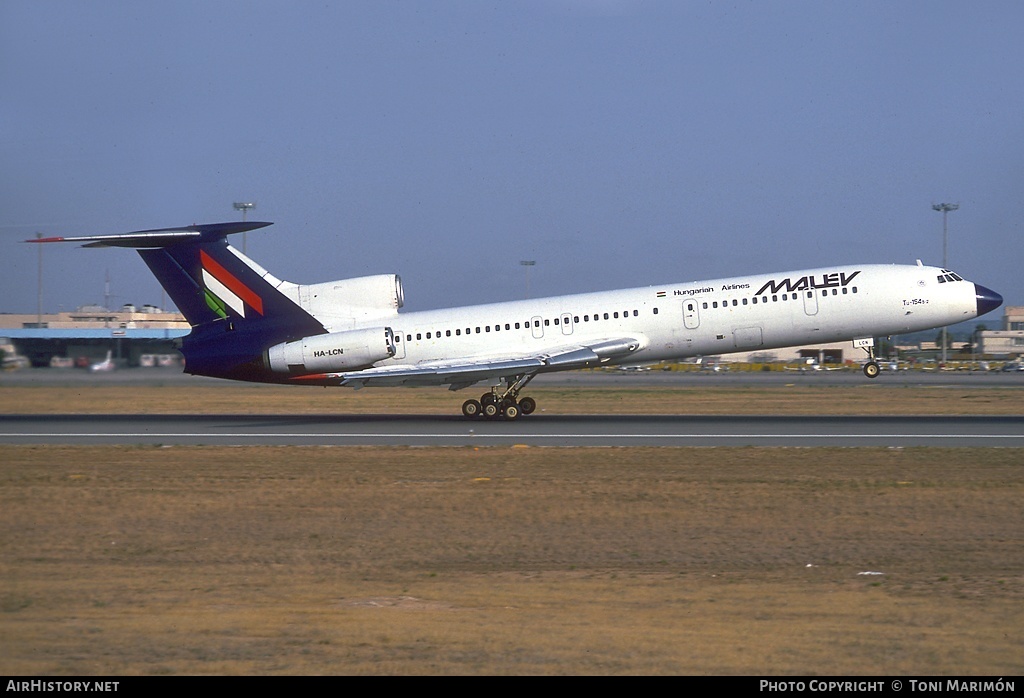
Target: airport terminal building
{"x":1007,"y":342}
{"x":133,"y":335}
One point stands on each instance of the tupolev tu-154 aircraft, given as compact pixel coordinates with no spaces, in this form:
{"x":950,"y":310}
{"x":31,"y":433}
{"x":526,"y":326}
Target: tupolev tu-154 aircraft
{"x":249,"y":325}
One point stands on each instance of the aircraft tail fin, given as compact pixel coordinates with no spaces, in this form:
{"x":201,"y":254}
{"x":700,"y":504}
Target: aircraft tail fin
{"x":235,"y":307}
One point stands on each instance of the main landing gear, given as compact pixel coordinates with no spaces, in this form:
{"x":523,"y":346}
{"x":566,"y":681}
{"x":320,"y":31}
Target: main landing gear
{"x":500,"y":402}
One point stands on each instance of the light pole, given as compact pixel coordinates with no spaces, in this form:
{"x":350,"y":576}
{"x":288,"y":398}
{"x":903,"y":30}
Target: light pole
{"x":39,"y":286}
{"x":945,"y":208}
{"x":528,"y":263}
{"x":244,"y":207}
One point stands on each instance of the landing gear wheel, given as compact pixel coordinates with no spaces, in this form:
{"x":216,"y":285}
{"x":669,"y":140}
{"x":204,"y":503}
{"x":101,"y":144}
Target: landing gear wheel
{"x":527,"y":405}
{"x":471,"y":409}
{"x":511,"y":411}
{"x":491,"y":410}
{"x":871,"y":369}
{"x":487,"y":399}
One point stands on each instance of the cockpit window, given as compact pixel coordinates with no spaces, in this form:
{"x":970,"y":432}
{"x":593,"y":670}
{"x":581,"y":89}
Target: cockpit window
{"x":949,"y":276}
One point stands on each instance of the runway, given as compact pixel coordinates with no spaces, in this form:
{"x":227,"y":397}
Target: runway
{"x":536,"y":430}
{"x":576,"y":379}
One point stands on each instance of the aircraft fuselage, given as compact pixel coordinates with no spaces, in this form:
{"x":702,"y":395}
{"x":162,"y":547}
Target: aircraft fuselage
{"x":682,"y":320}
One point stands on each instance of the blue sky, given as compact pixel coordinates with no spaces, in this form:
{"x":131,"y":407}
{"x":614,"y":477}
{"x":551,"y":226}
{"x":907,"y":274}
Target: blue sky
{"x":617,"y":143}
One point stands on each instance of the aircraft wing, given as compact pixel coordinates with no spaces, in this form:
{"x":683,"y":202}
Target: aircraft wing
{"x":464,"y":372}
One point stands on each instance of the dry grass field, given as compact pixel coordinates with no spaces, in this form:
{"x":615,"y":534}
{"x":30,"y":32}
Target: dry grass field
{"x":225,"y":397}
{"x":351,"y":560}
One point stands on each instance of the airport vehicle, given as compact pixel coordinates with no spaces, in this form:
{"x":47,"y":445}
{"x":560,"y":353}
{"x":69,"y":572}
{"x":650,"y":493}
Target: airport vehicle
{"x":249,"y":325}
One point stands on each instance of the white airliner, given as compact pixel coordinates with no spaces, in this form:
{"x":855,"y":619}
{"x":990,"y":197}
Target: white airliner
{"x":249,"y":325}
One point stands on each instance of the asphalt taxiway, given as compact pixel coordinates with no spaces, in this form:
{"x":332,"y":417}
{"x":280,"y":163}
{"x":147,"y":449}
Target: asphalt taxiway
{"x":536,"y":430}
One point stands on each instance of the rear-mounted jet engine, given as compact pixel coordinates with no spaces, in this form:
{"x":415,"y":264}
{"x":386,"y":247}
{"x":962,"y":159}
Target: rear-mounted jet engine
{"x":338,"y":351}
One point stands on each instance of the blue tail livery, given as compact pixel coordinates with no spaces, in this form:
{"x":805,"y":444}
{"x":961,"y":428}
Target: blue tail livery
{"x":234,"y":311}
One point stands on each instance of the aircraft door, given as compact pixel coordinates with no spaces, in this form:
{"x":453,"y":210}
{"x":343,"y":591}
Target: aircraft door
{"x":691,"y":317}
{"x":810,"y":302}
{"x":537,"y":326}
{"x":305,"y":301}
{"x":566,"y":323}
{"x":747,"y":337}
{"x":399,"y":345}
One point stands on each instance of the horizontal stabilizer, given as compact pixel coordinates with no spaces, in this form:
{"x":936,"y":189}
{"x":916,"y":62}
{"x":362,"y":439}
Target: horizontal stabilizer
{"x":161,"y":237}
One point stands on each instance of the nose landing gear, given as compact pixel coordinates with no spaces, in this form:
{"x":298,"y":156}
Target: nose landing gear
{"x":871,"y":368}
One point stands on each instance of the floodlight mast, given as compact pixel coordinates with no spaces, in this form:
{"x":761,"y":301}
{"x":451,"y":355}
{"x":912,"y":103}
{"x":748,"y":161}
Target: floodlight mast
{"x":528,"y":263}
{"x":39,"y":286}
{"x":244,"y":207}
{"x":945,"y":209}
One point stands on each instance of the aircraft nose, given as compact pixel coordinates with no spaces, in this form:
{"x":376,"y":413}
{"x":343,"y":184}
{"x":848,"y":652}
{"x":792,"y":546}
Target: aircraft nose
{"x":988,"y":299}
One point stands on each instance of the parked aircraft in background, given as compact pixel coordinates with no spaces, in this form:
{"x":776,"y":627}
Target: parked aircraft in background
{"x":249,"y":325}
{"x":103,"y":366}
{"x":812,"y":365}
